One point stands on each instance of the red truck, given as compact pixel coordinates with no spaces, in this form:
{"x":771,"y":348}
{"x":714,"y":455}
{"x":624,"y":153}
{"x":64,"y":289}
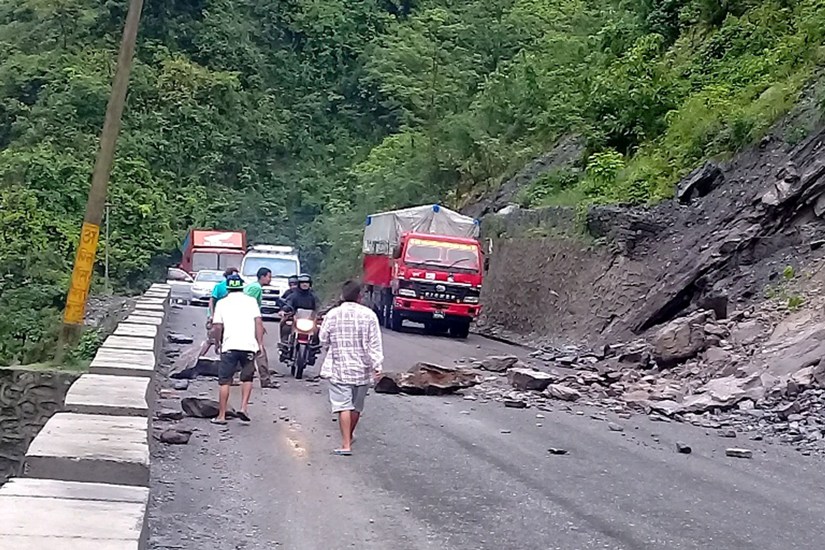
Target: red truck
{"x":212,"y":249}
{"x":423,"y":264}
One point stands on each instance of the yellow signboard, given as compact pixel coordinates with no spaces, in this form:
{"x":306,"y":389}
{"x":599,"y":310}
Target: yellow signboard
{"x":82,"y":274}
{"x":442,"y":244}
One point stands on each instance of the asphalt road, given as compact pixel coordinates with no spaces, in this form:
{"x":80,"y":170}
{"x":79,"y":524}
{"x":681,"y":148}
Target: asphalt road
{"x":452,"y":474}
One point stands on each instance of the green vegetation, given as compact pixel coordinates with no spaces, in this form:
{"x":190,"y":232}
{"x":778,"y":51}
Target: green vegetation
{"x":294,"y":119}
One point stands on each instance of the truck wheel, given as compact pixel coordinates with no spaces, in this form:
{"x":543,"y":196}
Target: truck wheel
{"x":460,"y":330}
{"x":396,"y":322}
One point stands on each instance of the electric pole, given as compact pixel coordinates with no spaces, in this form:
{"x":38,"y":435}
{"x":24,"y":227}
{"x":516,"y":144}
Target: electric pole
{"x":83,"y":270}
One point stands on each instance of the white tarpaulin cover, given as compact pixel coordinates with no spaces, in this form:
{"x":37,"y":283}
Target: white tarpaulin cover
{"x":384,"y":230}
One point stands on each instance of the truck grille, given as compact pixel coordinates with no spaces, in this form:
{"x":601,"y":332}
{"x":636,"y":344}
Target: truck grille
{"x":438,"y":292}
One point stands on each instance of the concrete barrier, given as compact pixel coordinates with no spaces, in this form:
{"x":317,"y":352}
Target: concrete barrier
{"x":91,"y":447}
{"x":135,"y":343}
{"x":86,"y":472}
{"x":107,"y":394}
{"x":123,"y":362}
{"x":45,"y":514}
{"x":141,"y":330}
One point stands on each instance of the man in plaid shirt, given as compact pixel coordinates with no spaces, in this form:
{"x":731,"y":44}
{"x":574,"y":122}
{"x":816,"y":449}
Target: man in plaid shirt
{"x":352,"y":335}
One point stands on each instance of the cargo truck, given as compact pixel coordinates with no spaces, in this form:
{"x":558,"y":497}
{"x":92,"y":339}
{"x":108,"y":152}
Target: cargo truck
{"x":425,"y":265}
{"x":212,"y":249}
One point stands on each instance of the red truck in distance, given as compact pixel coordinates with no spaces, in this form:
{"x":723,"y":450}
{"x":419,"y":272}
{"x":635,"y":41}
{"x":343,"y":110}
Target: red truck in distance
{"x":424,"y":265}
{"x":212,"y":249}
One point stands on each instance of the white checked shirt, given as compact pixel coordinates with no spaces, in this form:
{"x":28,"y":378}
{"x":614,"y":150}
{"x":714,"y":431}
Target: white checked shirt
{"x":352,"y":336}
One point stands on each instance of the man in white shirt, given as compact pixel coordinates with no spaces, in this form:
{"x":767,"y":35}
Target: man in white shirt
{"x":239,"y":330}
{"x":352,"y":334}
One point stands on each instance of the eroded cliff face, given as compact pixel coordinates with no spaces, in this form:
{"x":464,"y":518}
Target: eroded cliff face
{"x":28,"y":398}
{"x":732,"y":229}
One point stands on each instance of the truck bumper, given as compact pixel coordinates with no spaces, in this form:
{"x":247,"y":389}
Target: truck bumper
{"x":270,"y":309}
{"x":423,"y":311}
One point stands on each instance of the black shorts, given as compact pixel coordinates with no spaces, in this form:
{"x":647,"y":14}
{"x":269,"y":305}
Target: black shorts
{"x":234,"y":361}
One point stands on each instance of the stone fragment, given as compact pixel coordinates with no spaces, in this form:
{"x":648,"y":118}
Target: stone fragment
{"x":176,"y":338}
{"x":199,"y":408}
{"x":525,"y":379}
{"x":515,"y":404}
{"x":615,"y":427}
{"x":729,"y":434}
{"x":557,"y":451}
{"x":739,"y":453}
{"x":498,"y":363}
{"x":562,"y":392}
{"x":683,"y":448}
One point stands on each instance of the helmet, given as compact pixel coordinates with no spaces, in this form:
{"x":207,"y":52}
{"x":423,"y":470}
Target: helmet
{"x":292,"y":280}
{"x":234,"y":282}
{"x":304,"y":278}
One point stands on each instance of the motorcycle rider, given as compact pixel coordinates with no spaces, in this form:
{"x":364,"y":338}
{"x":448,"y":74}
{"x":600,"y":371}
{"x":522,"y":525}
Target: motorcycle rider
{"x":293,"y":286}
{"x":301,"y":297}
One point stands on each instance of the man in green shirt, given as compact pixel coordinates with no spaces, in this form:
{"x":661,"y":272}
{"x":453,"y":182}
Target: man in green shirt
{"x":256,"y":291}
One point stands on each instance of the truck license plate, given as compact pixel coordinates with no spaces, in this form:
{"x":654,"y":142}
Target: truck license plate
{"x":438,"y":315}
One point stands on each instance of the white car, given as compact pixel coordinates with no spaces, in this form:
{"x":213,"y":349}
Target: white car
{"x":203,"y":286}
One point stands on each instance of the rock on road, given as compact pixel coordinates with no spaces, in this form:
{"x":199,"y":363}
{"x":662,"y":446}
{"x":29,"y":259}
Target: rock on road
{"x":452,"y":474}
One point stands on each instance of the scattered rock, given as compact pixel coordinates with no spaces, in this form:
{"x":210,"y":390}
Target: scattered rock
{"x":525,"y":379}
{"x":683,"y":448}
{"x":515,"y":404}
{"x":205,"y":366}
{"x":176,"y":338}
{"x":498,"y":363}
{"x":557,"y":451}
{"x":175,"y":437}
{"x":169,"y":415}
{"x":202,"y":408}
{"x":730,"y":434}
{"x":739,"y":453}
{"x":180,"y":385}
{"x":615,"y":427}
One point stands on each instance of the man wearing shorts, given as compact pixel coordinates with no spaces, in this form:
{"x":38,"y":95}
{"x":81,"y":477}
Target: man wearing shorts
{"x":239,"y":330}
{"x":352,"y":336}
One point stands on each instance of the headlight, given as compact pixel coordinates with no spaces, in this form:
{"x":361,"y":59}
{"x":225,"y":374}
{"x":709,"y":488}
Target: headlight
{"x":305,"y":325}
{"x":408,"y":292}
{"x":471,"y":300}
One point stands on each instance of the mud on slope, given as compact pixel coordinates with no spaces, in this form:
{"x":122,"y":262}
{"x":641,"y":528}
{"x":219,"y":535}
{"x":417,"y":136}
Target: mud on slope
{"x":735,"y":229}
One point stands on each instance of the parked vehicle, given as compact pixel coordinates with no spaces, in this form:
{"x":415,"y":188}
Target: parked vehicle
{"x":424,"y":264}
{"x":205,"y":281}
{"x":213,"y":250}
{"x":302,"y":346}
{"x":180,"y":283}
{"x":282,"y":261}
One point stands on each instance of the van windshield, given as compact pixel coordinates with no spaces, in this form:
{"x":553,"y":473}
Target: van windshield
{"x":442,"y":254}
{"x":281,"y":267}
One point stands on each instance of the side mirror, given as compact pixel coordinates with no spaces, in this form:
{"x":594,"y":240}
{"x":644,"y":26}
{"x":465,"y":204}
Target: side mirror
{"x":396,"y":252}
{"x":487,"y":263}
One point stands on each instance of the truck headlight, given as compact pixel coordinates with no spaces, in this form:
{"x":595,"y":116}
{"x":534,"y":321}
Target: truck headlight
{"x":471,"y":300}
{"x":407,"y":292}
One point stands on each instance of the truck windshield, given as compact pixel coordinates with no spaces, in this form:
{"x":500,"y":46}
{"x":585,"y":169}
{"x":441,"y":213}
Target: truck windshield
{"x":442,"y":254}
{"x":209,"y":276}
{"x":281,"y":267}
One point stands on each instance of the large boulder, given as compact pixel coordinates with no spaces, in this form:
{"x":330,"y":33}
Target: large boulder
{"x":681,"y":339}
{"x":724,"y":393}
{"x":699,"y":183}
{"x":527,"y":379}
{"x":427,"y":379}
{"x":202,"y":408}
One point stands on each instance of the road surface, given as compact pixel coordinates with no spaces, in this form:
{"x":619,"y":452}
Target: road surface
{"x":452,"y":474}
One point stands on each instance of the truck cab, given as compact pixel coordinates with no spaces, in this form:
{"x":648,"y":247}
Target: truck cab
{"x":282,"y":261}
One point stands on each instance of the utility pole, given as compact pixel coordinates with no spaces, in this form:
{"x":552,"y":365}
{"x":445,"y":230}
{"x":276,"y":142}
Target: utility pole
{"x":90,"y":232}
{"x":108,"y":208}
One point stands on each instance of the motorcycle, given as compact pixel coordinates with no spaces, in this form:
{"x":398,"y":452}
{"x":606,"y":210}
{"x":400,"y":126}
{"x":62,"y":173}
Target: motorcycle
{"x":302,"y":347}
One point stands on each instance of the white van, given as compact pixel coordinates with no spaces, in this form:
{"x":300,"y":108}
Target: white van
{"x":282,"y":261}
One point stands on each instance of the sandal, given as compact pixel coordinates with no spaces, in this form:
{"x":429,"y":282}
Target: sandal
{"x":219,"y":422}
{"x":341,"y":452}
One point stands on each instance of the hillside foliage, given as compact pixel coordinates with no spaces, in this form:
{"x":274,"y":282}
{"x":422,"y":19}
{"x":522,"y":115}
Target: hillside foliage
{"x":295,"y":118}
